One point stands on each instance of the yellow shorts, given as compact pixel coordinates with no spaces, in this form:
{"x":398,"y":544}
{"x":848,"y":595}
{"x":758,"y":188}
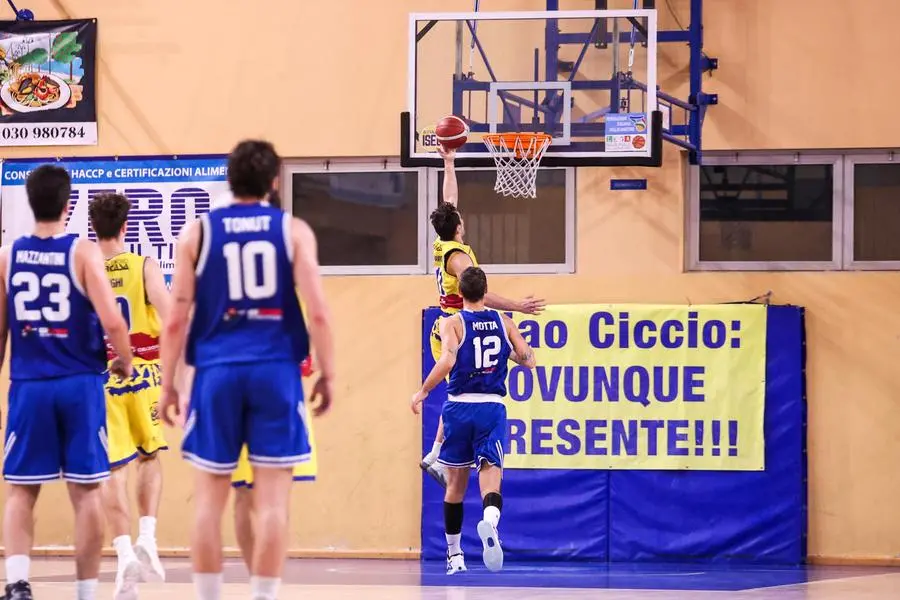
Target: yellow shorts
{"x":132,"y":416}
{"x":307,"y":471}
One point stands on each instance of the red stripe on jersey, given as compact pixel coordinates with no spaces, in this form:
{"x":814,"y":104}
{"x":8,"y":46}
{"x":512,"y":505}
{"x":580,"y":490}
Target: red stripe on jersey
{"x":451,"y":301}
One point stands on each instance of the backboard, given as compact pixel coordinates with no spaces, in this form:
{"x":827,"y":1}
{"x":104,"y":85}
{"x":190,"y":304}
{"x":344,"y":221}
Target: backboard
{"x":587,"y":78}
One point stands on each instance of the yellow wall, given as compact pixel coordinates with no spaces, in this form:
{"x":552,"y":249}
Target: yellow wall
{"x":190,"y":77}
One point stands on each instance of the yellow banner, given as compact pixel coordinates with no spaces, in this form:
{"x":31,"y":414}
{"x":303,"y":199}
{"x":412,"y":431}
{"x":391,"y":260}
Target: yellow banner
{"x":641,"y":387}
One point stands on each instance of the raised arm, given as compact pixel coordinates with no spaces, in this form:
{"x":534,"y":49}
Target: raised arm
{"x":318,"y":317}
{"x":91,"y":271}
{"x":450,"y":335}
{"x":522,"y":352}
{"x":450,"y":189}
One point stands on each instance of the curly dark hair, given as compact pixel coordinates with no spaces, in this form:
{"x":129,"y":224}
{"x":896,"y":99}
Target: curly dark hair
{"x":445,"y":219}
{"x":108,"y":212}
{"x":252,"y":167}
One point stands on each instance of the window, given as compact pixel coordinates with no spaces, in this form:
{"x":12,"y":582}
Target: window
{"x":369,"y":216}
{"x":765,"y":212}
{"x":873,"y":215}
{"x":518,"y":235}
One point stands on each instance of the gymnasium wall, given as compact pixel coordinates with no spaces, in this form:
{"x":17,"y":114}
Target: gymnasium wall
{"x":192,"y":77}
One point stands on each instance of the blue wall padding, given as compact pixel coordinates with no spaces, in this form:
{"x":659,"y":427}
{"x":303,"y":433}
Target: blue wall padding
{"x":678,"y":516}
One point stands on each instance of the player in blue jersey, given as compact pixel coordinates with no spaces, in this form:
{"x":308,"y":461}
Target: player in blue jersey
{"x":476,"y":345}
{"x":57,"y":302}
{"x":239,"y":268}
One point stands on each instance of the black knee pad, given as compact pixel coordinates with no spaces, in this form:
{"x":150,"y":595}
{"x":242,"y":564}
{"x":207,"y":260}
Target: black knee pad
{"x":493,"y":499}
{"x":453,"y":518}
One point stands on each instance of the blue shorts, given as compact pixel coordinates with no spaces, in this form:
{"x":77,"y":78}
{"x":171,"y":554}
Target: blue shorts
{"x":257,"y":404}
{"x":56,"y":427}
{"x":473,"y":432}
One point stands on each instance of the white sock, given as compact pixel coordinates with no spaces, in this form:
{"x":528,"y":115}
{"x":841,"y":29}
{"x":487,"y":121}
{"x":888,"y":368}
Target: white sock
{"x":87,"y":589}
{"x":17,"y":567}
{"x":492,"y":515}
{"x":208,"y":586}
{"x":124,"y":549}
{"x":264,"y":588}
{"x":453,"y":543}
{"x":435,"y":452}
{"x":147,"y":528}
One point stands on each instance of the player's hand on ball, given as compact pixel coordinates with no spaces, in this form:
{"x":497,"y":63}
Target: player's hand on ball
{"x":417,"y":400}
{"x":320,"y":399}
{"x":532,"y":306}
{"x":169,"y":403}
{"x":120,"y":368}
{"x":445,"y":153}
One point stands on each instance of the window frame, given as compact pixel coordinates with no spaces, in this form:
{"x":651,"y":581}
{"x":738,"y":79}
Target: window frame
{"x":366,"y":165}
{"x":566,"y":267}
{"x":850,"y":162}
{"x":692,"y":239}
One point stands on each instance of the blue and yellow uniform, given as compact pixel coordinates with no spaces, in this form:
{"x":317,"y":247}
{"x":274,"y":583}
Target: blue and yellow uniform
{"x":246,"y":340}
{"x":474,"y":414}
{"x":57,"y":415}
{"x":132,"y":405}
{"x":448,"y":286}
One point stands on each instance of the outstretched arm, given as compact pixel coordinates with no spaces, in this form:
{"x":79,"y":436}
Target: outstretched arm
{"x":498,"y":302}
{"x":522,"y":352}
{"x":460,"y":261}
{"x":450,"y":188}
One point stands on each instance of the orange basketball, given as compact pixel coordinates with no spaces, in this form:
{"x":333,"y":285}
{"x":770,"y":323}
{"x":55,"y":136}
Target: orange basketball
{"x":451,"y":132}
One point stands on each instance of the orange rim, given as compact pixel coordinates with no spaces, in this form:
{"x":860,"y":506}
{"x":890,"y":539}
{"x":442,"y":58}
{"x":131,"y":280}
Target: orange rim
{"x":509,"y":140}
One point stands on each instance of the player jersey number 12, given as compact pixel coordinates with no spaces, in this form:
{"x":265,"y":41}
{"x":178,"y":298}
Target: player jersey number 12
{"x":486,"y":351}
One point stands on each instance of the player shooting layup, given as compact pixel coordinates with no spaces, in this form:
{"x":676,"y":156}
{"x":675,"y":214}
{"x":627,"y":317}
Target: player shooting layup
{"x":56,"y":296}
{"x":452,"y":257}
{"x":132,"y":405}
{"x":476,"y":344}
{"x":238,"y":267}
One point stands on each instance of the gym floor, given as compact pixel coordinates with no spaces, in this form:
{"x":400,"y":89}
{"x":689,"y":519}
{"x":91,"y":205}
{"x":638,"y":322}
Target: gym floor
{"x":402,"y":580}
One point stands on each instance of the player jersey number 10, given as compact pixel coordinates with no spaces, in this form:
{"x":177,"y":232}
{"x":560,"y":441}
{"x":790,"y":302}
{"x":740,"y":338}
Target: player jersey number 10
{"x":58,"y":309}
{"x":252,"y":270}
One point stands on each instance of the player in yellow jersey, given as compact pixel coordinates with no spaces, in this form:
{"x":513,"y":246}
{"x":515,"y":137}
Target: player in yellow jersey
{"x":451,"y":257}
{"x":133,"y":424}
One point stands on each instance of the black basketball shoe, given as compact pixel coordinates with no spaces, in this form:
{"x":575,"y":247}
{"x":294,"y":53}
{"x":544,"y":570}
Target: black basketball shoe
{"x":19,"y":590}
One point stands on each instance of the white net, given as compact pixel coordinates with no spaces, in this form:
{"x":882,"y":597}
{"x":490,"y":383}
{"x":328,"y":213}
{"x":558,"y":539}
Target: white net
{"x":517,"y":156}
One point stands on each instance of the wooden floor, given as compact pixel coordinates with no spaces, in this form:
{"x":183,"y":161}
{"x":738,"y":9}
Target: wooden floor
{"x":411,"y":580}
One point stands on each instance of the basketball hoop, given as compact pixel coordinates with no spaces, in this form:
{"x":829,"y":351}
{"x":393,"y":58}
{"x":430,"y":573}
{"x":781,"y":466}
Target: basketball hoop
{"x":517,"y":156}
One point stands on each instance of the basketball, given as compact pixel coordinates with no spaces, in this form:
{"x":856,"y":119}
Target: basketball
{"x":451,"y":132}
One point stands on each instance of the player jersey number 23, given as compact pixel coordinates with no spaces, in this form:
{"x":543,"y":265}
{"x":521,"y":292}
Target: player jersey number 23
{"x":448,"y":285}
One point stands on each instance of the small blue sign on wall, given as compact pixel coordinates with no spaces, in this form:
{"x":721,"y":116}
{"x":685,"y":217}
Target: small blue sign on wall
{"x":627,"y":184}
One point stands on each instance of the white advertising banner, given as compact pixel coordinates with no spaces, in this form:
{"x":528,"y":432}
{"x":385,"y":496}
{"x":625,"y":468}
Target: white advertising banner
{"x":166,"y":193}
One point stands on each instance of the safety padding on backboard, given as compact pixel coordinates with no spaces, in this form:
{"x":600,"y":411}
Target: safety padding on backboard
{"x":624,"y":515}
